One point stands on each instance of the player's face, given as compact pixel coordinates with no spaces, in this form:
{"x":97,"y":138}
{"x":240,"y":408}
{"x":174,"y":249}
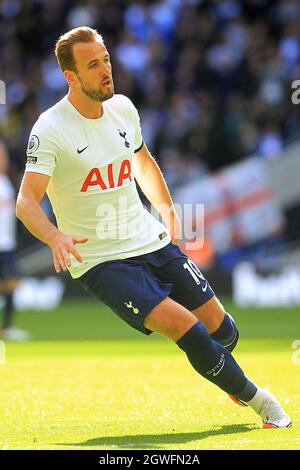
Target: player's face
{"x":93,"y":70}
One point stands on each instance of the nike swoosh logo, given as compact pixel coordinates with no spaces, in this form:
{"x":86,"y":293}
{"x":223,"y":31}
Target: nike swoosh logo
{"x":204,"y":288}
{"x":80,"y":151}
{"x":217,"y":373}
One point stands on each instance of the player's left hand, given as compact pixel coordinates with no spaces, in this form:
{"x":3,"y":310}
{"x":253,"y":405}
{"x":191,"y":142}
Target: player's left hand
{"x":175,"y":228}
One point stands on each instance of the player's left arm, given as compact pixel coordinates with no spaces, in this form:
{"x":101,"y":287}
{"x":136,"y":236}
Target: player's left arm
{"x":151,"y":181}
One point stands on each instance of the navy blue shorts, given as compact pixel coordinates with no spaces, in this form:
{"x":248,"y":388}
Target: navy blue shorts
{"x":134,"y":286}
{"x":8,"y":265}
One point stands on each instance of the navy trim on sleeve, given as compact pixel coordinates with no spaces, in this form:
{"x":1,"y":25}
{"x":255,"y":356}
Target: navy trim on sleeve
{"x":137,"y":150}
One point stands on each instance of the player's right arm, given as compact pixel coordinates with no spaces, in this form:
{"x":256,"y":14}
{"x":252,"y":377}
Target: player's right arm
{"x":44,"y":148}
{"x":29,"y":211}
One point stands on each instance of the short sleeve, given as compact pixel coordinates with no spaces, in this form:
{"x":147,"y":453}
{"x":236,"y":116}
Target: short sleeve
{"x":138,"y":138}
{"x":43,"y":148}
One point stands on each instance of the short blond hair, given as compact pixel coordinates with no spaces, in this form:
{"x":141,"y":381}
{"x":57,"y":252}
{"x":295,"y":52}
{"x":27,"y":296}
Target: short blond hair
{"x":63,"y":46}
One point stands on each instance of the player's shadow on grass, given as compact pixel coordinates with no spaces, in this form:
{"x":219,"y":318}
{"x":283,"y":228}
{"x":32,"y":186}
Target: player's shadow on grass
{"x":155,"y":441}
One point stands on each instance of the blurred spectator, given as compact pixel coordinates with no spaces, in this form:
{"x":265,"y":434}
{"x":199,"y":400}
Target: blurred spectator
{"x":270,"y":143}
{"x":9,"y":276}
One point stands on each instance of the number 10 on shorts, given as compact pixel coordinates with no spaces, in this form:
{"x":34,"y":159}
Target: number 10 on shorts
{"x":194,"y":271}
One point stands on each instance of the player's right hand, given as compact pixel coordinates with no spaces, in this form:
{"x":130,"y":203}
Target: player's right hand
{"x":61,"y":246}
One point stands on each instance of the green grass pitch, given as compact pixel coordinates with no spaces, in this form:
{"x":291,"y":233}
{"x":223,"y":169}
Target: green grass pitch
{"x":88,"y":381}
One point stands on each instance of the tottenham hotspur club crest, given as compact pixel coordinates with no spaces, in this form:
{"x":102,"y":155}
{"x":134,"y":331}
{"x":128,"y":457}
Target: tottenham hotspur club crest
{"x":123,"y":134}
{"x":134,"y":309}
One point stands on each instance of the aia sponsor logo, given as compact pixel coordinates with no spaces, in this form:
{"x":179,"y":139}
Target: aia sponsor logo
{"x":105,"y":179}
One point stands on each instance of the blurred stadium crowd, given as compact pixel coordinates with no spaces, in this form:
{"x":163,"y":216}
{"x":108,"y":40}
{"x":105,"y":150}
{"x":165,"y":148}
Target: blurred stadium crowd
{"x":211,"y":79}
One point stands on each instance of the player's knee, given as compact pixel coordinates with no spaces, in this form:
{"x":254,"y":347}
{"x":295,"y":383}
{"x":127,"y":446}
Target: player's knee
{"x":170,"y":319}
{"x":233,"y":342}
{"x":234,"y":337}
{"x":227,"y":334}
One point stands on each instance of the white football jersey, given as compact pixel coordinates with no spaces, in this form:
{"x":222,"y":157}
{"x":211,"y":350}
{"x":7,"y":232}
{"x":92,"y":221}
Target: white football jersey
{"x":7,"y":215}
{"x":92,"y":188}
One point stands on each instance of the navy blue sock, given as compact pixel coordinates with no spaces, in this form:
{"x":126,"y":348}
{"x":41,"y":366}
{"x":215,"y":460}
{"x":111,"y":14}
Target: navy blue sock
{"x":211,"y":360}
{"x":227,"y":334}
